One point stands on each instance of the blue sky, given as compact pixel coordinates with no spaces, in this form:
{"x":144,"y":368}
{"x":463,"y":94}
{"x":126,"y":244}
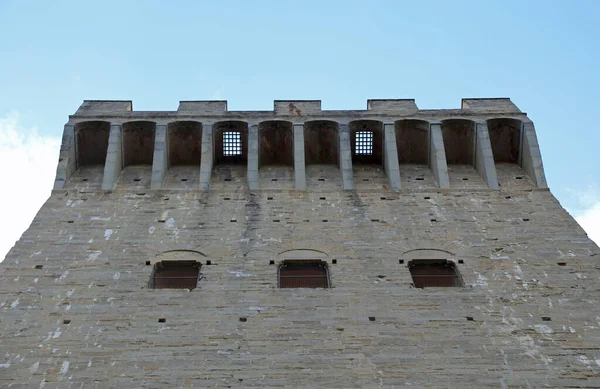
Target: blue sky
{"x":544,"y":55}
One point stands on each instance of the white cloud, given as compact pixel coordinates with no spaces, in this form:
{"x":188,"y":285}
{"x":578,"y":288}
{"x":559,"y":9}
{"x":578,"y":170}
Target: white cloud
{"x":27,"y":169}
{"x":589,"y":219}
{"x":586,"y":210}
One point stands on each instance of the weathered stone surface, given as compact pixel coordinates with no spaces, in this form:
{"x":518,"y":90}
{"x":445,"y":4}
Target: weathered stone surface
{"x":76,"y":310}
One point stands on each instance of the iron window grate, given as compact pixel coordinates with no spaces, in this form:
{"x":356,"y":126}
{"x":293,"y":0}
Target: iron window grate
{"x":435,"y":275}
{"x":175,"y":275}
{"x":364,"y":143}
{"x":232,"y":144}
{"x":303,"y":275}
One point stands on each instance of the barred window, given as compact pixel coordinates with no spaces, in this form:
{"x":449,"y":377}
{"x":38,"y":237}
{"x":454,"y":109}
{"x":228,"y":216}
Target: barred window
{"x":434,"y":274}
{"x":232,"y":144}
{"x":303,"y":274}
{"x":175,"y":275}
{"x":363,"y":143}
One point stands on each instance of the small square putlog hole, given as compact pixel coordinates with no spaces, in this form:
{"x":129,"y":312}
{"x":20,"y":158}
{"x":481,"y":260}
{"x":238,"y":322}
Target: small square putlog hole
{"x":371,"y":318}
{"x":546,"y":318}
{"x":39,"y":266}
{"x":401,"y":261}
{"x":66,"y":321}
{"x":243,"y":319}
{"x":162,"y":320}
{"x":334,"y":261}
{"x":470,"y":318}
{"x":562,"y":264}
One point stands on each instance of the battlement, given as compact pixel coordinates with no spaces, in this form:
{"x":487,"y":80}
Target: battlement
{"x":488,"y":143}
{"x":298,"y":108}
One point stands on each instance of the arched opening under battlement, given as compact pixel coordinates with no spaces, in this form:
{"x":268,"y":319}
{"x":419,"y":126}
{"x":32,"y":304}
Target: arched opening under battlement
{"x":231,"y":151}
{"x":138,"y":154}
{"x":459,"y":141}
{"x":138,"y":143}
{"x":505,"y":138}
{"x":184,"y":140}
{"x":459,"y":144}
{"x":91,"y":145}
{"x":276,"y":154}
{"x":412,"y":143}
{"x":321,"y":154}
{"x":366,"y":144}
{"x":92,"y":142}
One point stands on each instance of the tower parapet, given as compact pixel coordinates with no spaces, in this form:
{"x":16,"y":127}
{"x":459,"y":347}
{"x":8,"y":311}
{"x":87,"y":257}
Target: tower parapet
{"x":487,"y":143}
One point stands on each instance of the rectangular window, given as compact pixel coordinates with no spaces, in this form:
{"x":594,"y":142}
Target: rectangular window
{"x":303,"y":274}
{"x":232,"y":144}
{"x":175,"y":275}
{"x":437,"y":274}
{"x":364,"y":143}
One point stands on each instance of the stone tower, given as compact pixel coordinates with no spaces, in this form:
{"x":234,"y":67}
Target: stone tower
{"x":388,"y":247}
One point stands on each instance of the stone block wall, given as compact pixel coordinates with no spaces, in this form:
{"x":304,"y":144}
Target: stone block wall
{"x":77,"y":310}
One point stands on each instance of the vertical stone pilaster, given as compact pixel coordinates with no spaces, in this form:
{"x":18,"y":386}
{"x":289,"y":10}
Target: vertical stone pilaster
{"x":345,"y":157}
{"x":67,"y":159}
{"x":437,"y":156}
{"x":114,"y":158}
{"x":390,"y":156}
{"x":160,"y":162}
{"x":531,"y":157}
{"x":208,"y":157}
{"x":484,"y":158}
{"x":253,"y":157}
{"x":299,"y":162}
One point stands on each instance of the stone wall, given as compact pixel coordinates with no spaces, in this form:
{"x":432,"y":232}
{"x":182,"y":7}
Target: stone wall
{"x":77,"y":310}
{"x":524,"y":260}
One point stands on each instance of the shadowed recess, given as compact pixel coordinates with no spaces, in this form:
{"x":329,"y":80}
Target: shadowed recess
{"x":505,"y":137}
{"x":92,"y":142}
{"x":459,"y":141}
{"x":276,"y":142}
{"x":412,"y":141}
{"x":321,"y":142}
{"x":138,"y":143}
{"x":185,"y":143}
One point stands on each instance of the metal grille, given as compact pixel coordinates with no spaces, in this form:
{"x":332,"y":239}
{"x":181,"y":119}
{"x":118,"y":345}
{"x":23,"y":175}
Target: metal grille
{"x":303,"y":275}
{"x":435,"y":275}
{"x":175,"y":275}
{"x":364,"y":143}
{"x":232,"y":144}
